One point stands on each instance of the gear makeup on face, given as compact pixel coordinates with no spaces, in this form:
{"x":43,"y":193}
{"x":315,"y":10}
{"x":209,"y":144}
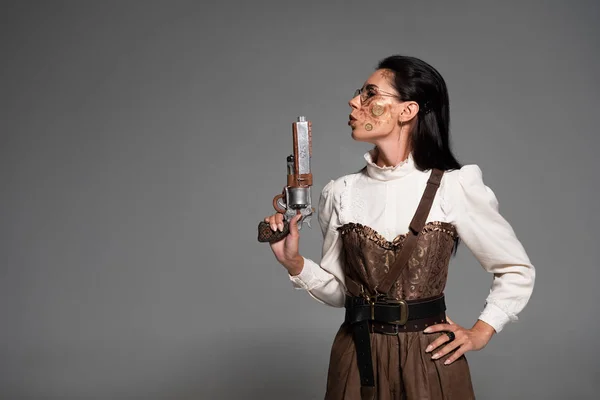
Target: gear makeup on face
{"x":368,"y":127}
{"x":377,"y":110}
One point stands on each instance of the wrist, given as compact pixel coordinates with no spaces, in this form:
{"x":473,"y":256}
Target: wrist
{"x":296,"y":265}
{"x":484,"y":328}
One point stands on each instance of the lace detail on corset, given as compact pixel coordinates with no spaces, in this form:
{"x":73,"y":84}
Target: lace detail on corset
{"x":378,"y":238}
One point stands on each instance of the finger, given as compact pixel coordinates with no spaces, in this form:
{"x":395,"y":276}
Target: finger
{"x":447,"y":349}
{"x":273,"y":223}
{"x":294,"y":225}
{"x":437,"y":343}
{"x":459,"y":352}
{"x":279,"y":221}
{"x":439,"y":328}
{"x":449,"y":320}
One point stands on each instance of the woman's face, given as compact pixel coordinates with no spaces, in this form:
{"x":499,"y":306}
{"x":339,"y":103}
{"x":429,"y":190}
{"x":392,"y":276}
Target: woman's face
{"x":375,"y":111}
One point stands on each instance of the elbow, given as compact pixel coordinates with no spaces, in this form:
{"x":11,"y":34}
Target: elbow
{"x":337,"y":299}
{"x":341,"y":301}
{"x":528,"y":276}
{"x":523,"y":273}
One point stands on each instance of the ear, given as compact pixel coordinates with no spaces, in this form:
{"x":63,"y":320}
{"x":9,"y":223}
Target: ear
{"x":408,"y":111}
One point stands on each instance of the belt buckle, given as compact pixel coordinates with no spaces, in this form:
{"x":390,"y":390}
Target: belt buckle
{"x":403,"y":311}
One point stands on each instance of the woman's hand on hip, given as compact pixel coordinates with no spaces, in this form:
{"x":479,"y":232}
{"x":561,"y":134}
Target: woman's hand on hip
{"x":286,"y":249}
{"x":465,"y":340}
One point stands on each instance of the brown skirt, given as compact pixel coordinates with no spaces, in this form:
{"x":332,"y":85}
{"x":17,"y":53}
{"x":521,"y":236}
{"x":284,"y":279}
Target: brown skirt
{"x":402,"y":369}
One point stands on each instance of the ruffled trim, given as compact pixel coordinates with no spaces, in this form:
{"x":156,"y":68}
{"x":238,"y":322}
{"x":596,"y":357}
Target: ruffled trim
{"x":370,"y":157}
{"x":378,"y":238}
{"x":388,"y":172}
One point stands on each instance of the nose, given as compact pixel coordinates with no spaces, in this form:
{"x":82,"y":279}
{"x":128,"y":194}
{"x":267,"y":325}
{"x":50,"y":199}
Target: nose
{"x":354,"y":102}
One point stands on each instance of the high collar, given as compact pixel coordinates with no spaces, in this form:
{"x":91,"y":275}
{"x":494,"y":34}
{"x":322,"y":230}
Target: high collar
{"x":388,"y":173}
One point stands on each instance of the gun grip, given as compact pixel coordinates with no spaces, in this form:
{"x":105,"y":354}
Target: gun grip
{"x":266,"y":234}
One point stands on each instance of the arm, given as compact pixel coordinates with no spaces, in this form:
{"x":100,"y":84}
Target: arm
{"x":473,"y":208}
{"x":324,"y":282}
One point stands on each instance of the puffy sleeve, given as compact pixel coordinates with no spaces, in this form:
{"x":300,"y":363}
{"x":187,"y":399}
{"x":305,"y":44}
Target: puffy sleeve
{"x":472,"y":208}
{"x":325,"y":282}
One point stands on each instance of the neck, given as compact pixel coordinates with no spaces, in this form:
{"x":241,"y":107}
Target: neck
{"x":392,"y":151}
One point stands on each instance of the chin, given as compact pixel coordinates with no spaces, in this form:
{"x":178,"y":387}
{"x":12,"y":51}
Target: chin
{"x":360,"y":136}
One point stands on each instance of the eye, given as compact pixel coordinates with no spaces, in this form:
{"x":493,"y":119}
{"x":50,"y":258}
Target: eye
{"x":371,"y":92}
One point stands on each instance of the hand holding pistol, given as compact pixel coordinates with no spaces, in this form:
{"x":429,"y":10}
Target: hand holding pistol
{"x":296,"y":196}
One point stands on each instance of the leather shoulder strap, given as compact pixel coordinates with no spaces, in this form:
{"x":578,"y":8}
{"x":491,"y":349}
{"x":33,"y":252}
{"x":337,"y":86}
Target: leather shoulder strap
{"x":416,"y":226}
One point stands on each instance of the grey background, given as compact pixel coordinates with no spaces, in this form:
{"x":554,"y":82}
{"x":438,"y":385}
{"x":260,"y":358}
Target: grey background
{"x":142,"y":142}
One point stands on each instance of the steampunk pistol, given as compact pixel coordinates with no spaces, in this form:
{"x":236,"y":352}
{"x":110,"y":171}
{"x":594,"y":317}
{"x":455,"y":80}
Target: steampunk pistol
{"x":295,"y":197}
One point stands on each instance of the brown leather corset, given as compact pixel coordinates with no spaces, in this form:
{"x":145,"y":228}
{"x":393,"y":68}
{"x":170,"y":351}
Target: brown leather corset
{"x":368,"y":256}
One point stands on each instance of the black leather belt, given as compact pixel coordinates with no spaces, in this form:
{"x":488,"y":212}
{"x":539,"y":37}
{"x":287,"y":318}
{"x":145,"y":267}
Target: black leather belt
{"x":388,"y":316}
{"x":392,"y":311}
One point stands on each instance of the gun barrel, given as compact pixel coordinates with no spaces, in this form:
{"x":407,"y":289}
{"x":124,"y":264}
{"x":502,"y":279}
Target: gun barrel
{"x":302,"y":136}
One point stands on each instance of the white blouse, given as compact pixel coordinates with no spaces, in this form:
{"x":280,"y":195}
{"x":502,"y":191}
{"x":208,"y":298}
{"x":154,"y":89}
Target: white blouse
{"x":386,"y":198}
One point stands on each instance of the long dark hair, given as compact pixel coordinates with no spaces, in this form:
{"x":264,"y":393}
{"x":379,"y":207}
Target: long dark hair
{"x":416,"y":80}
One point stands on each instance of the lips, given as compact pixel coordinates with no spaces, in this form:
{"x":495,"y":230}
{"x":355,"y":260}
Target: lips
{"x":351,"y":119}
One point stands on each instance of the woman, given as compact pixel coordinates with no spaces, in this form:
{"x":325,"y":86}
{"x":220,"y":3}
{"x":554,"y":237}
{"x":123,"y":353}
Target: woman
{"x":397,"y":342}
